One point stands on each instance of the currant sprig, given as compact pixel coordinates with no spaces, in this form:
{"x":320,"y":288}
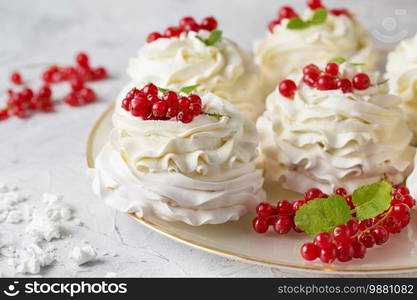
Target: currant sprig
{"x":186,"y":24}
{"x":325,"y":80}
{"x":24,"y":102}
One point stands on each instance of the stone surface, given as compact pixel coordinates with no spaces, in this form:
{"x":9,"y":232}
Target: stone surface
{"x":47,"y":152}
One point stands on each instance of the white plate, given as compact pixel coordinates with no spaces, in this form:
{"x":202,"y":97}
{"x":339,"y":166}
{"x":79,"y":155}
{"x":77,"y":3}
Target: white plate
{"x":238,"y":240}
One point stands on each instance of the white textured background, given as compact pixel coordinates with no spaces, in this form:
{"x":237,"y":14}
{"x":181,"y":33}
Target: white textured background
{"x":47,"y":152}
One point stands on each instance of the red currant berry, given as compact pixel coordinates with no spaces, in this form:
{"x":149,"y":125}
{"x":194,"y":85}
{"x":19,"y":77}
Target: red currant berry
{"x":361,"y":81}
{"x":76,"y":83}
{"x":283,"y":224}
{"x":326,"y":82}
{"x":312,"y":194}
{"x":284,"y":207}
{"x":340,"y":11}
{"x":82,"y":59}
{"x":47,"y":106}
{"x":45,"y":92}
{"x":209,"y":23}
{"x":4,"y":114}
{"x":186,"y":20}
{"x":99,"y":73}
{"x":72,"y":99}
{"x":323,"y":240}
{"x":20,"y":112}
{"x":172,"y":32}
{"x":287,"y":88}
{"x":172,"y":112}
{"x":311,"y":79}
{"x":16,"y":78}
{"x":402,"y":190}
{"x":367,"y":240}
{"x":380,"y":235}
{"x":297,"y":229}
{"x":192,"y":27}
{"x":185,"y":116}
{"x":297,"y":204}
{"x":264,"y":209}
{"x":353,"y":226}
{"x":404,"y":221}
{"x":260,"y":224}
{"x":345,"y":85}
{"x":273,"y":23}
{"x":341,"y":233}
{"x":126,"y":104}
{"x":193,"y":98}
{"x":315,"y":4}
{"x":153,"y":36}
{"x":409,"y":201}
{"x":392,"y":224}
{"x":195,"y":108}
{"x":311,"y":68}
{"x":27,"y":93}
{"x":170,"y":97}
{"x":328,"y":255}
{"x":332,"y":69}
{"x":344,"y":252}
{"x":140,"y":107}
{"x":88,"y":95}
{"x":341,"y":191}
{"x":359,"y":250}
{"x":150,"y":89}
{"x":400,"y":210}
{"x":309,"y":251}
{"x":286,"y":12}
{"x":159,"y":109}
{"x":68,"y":72}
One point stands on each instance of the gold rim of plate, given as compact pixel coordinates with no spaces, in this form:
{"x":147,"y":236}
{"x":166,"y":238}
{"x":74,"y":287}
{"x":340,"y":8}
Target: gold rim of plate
{"x":175,"y":236}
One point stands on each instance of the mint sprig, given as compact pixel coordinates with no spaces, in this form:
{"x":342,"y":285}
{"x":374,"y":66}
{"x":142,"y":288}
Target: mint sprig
{"x":163,"y":90}
{"x":215,"y":36}
{"x":323,"y":214}
{"x":338,"y":60}
{"x":371,"y":200}
{"x":319,"y":17}
{"x":189,"y":89}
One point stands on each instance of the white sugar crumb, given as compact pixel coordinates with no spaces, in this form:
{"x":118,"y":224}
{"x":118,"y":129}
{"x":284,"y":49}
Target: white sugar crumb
{"x":42,"y":227}
{"x":82,"y":255}
{"x":31,"y":259}
{"x":14,"y":217}
{"x":111,"y":275}
{"x":57,"y":209}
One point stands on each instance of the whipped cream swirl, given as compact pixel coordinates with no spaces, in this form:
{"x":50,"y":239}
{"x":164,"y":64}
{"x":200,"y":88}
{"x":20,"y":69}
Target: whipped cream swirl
{"x":202,"y":172}
{"x":285,"y":51}
{"x":402,"y":75}
{"x":328,"y":139}
{"x":223,"y":69}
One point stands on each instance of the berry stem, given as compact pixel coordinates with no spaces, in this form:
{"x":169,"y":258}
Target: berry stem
{"x":218,"y":116}
{"x":378,"y":223}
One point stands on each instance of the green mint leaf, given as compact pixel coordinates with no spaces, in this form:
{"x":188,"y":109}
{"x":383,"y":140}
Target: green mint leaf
{"x":371,"y":200}
{"x":338,"y":60}
{"x":322,"y":214}
{"x":201,"y":39}
{"x":357,"y":64}
{"x":214,"y":37}
{"x":319,"y":16}
{"x":162,"y":90}
{"x":189,"y":89}
{"x":297,"y":24}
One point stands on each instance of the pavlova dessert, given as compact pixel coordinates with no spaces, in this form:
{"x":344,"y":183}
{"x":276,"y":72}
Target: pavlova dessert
{"x":198,"y":54}
{"x":316,"y":36}
{"x":334,"y":127}
{"x":180,"y":156}
{"x":402,"y":75}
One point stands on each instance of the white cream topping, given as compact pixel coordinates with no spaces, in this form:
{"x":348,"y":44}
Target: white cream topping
{"x":223,"y":69}
{"x":201,"y":172}
{"x":328,"y":139}
{"x":402,"y":75}
{"x":285,"y":51}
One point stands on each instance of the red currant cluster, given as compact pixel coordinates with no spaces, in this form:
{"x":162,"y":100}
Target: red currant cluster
{"x":25,"y":102}
{"x":324,"y":80}
{"x":186,"y":24}
{"x":351,"y":240}
{"x":287,"y":12}
{"x":281,"y":216}
{"x":150,"y":104}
